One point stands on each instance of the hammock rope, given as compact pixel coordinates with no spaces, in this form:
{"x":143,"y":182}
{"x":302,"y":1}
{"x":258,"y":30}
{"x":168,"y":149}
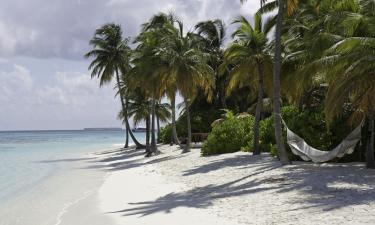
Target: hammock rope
{"x":300,"y":148}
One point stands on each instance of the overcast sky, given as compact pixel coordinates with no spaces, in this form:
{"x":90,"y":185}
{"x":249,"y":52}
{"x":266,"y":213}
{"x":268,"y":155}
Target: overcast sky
{"x":44,"y":82}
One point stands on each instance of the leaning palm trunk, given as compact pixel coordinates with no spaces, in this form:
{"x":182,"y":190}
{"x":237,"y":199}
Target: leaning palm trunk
{"x":125,"y":110}
{"x":153,"y":139}
{"x":283,"y":156}
{"x":126,"y":138}
{"x":370,"y":163}
{"x":139,"y":145}
{"x":174,"y":130}
{"x":258,"y":109}
{"x":188,"y":141}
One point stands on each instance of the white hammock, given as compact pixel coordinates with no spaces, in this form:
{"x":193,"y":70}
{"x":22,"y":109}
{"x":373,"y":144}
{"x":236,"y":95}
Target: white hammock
{"x":301,"y":148}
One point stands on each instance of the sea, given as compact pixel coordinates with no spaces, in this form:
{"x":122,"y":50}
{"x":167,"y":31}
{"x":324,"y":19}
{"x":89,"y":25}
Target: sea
{"x":29,"y":159}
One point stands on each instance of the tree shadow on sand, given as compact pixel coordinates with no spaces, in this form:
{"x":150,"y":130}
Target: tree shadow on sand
{"x":318,"y":186}
{"x":127,"y":160}
{"x":330,"y":188}
{"x":237,"y":161}
{"x":124,"y":155}
{"x":201,"y":197}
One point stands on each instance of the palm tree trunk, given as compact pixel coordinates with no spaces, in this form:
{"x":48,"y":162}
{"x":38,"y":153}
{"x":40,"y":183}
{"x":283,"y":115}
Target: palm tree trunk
{"x":126,"y":131}
{"x":188,"y":141}
{"x":174,"y":130}
{"x":153,"y":139}
{"x":258,"y":109}
{"x":283,"y":156}
{"x":139,"y":145}
{"x":220,"y":84}
{"x":370,"y":162}
{"x":222,"y":97}
{"x":158,"y":126}
{"x":148,"y":149}
{"x":126,"y":138}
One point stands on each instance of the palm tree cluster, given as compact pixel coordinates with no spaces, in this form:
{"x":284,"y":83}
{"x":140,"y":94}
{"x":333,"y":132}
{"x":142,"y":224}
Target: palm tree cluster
{"x":166,"y":61}
{"x":306,"y":45}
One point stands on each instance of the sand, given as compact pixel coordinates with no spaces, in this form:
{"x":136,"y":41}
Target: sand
{"x":174,"y":188}
{"x":122,"y":187}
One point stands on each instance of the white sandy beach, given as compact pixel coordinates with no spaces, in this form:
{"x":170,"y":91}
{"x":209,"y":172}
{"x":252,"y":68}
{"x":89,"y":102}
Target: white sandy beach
{"x":121,"y":187}
{"x":174,"y":188}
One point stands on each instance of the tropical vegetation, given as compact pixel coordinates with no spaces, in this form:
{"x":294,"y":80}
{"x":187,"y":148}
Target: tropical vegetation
{"x":310,"y":63}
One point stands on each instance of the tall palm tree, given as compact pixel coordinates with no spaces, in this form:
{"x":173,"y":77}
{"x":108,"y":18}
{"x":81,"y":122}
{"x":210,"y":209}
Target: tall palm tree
{"x":111,"y":55}
{"x":162,"y":25}
{"x":150,"y":68}
{"x":188,"y":65}
{"x":291,"y":6}
{"x":250,"y":55}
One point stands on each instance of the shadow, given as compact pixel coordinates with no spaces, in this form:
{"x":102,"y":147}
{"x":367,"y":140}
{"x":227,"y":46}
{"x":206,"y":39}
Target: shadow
{"x":238,"y":161}
{"x":139,"y":162}
{"x":123,"y":155}
{"x":330,"y":187}
{"x":128,"y":159}
{"x":200,"y":197}
{"x":118,"y":150}
{"x":324,"y":187}
{"x":203,"y":197}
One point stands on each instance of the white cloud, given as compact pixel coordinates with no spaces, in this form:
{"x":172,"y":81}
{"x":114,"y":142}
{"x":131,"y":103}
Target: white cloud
{"x":2,"y":60}
{"x":62,"y":28}
{"x":71,"y":100}
{"x":18,"y":80}
{"x":73,"y":89}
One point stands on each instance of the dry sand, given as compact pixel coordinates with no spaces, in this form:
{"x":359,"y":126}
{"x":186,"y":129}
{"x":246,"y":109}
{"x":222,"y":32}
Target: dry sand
{"x":173,"y":188}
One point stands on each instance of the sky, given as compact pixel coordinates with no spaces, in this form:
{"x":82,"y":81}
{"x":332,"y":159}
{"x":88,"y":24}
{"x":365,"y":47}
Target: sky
{"x":44,"y":80}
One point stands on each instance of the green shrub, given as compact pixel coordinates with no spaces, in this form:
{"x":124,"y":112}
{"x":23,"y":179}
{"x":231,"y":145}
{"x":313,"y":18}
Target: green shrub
{"x":267,"y":135}
{"x":231,"y":135}
{"x":165,"y":134}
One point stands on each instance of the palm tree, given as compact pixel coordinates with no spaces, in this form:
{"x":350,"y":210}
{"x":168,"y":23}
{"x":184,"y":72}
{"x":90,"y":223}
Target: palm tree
{"x":305,"y":39}
{"x":178,"y":63}
{"x":188,"y":67}
{"x":335,"y":40}
{"x":252,"y":61}
{"x":291,"y":6}
{"x":139,"y":107}
{"x":162,"y":25}
{"x":212,"y":34}
{"x":350,"y":67}
{"x":150,"y":68}
{"x":111,"y":55}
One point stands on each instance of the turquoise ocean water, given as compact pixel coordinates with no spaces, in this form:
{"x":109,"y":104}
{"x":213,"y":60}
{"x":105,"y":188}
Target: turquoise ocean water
{"x":25,"y":155}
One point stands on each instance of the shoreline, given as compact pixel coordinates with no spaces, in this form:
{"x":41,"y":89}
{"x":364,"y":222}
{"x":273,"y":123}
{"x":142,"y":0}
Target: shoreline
{"x":53,"y":198}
